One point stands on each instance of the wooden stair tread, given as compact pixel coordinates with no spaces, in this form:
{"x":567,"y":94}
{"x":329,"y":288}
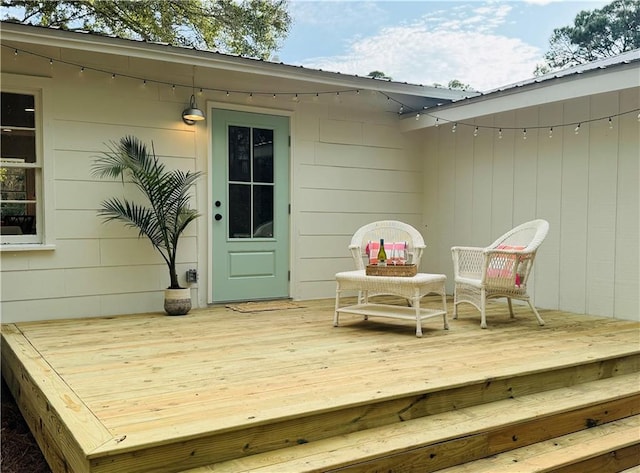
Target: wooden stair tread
{"x":553,"y":454}
{"x":392,"y":439}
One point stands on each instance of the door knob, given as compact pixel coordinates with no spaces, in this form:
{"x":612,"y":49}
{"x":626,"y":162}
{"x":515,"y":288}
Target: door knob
{"x":218,"y":217}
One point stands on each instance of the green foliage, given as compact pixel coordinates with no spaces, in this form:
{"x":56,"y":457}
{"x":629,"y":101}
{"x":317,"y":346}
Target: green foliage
{"x":378,"y":75}
{"x":458,"y":85}
{"x":609,"y":31}
{"x":251,"y":28}
{"x":167,"y":212}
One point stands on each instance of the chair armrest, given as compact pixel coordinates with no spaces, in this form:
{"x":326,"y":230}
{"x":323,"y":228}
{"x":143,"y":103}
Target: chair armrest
{"x":468,"y":261}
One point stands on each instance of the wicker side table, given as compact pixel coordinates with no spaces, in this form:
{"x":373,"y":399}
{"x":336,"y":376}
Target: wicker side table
{"x":412,"y":288}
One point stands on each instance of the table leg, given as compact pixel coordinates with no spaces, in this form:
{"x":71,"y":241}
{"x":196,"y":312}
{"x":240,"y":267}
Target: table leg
{"x":444,"y":307}
{"x":335,"y":314}
{"x":416,"y":305}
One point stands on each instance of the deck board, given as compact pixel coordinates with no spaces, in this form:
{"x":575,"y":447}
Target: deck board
{"x":146,"y":380}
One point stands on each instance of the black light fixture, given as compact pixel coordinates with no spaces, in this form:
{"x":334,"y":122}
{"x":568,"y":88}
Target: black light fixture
{"x":192,"y":114}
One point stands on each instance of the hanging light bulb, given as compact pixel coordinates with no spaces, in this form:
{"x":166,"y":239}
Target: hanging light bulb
{"x":401,"y":111}
{"x":454,"y":127}
{"x":113,"y":76}
{"x":316,"y":97}
{"x":551,"y":132}
{"x":610,"y":124}
{"x":437,"y":122}
{"x":417,"y":116}
{"x":296,"y":98}
{"x":524,"y":133}
{"x":15,"y":52}
{"x":475,"y":132}
{"x":577,"y":129}
{"x":500,"y":134}
{"x":51,"y":62}
{"x":274,"y":96}
{"x":250,"y":97}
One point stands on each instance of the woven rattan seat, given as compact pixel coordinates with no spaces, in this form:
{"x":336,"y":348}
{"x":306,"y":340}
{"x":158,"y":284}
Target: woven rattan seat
{"x":500,"y":270}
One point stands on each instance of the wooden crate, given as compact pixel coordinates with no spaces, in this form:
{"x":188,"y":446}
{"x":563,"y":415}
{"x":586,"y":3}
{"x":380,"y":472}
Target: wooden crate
{"x":403,"y":270}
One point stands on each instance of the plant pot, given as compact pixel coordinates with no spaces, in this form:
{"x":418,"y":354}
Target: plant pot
{"x":177,"y":301}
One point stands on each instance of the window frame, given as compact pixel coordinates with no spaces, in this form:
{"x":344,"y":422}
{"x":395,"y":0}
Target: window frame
{"x":44,"y":236}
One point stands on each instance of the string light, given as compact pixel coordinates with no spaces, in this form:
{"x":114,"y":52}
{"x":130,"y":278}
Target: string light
{"x":316,"y":95}
{"x":524,"y":133}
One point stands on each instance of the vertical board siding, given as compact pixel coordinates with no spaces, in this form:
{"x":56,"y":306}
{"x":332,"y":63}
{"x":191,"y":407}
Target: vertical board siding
{"x":585,"y":184}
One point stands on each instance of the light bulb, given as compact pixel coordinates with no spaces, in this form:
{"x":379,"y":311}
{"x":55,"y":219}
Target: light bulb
{"x":551,"y":132}
{"x":577,"y":129}
{"x":524,"y":133}
{"x":475,"y":132}
{"x":417,"y":116}
{"x":500,"y":134}
{"x":453,"y":128}
{"x":610,"y":124}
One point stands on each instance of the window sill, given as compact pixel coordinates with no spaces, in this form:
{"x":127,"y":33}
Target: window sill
{"x":10,"y":247}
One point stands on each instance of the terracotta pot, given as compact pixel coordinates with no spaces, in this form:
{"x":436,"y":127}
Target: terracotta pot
{"x":177,"y":301}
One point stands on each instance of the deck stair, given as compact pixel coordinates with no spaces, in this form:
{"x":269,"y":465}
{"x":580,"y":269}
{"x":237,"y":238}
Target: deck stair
{"x":574,"y":420}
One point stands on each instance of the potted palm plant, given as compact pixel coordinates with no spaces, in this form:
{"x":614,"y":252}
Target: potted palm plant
{"x":164,"y":215}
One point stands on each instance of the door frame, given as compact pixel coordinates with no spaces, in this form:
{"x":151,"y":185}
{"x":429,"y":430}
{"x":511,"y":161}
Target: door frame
{"x":210,"y":105}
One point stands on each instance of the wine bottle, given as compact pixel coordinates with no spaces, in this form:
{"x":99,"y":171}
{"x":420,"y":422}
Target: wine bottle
{"x":382,"y":254}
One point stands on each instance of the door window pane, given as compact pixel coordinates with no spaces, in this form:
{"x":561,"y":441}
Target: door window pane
{"x":262,"y":155}
{"x":239,"y":211}
{"x":239,"y":153}
{"x":263,"y":211}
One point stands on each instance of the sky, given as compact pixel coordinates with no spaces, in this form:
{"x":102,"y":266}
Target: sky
{"x":486,"y":44}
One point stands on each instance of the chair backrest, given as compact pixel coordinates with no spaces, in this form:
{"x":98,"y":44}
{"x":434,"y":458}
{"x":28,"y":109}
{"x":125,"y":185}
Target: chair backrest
{"x":391,"y":231}
{"x":529,"y":235}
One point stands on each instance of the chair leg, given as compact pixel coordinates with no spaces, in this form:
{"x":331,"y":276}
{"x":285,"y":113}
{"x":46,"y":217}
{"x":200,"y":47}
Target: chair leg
{"x":335,"y":314}
{"x":540,"y":321}
{"x":455,"y":303}
{"x":510,"y":307}
{"x":483,"y":306}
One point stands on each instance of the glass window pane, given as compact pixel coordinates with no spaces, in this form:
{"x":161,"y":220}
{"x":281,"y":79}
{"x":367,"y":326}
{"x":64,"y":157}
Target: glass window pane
{"x":18,"y":218}
{"x":239,"y":153}
{"x":262,"y":211}
{"x":239,"y":211}
{"x":18,"y":110}
{"x":18,"y":146}
{"x":262,"y":155}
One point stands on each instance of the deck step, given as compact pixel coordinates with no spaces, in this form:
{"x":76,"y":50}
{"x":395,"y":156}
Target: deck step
{"x":606,"y":448}
{"x":438,"y":441}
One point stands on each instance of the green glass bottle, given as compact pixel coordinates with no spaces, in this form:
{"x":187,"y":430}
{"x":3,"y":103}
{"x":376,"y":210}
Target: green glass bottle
{"x":382,"y":254}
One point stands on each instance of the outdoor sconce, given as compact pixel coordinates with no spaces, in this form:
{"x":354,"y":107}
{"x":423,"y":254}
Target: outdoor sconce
{"x":192,"y":114}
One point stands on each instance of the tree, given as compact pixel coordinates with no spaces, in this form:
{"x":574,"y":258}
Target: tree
{"x":378,"y":75}
{"x":455,"y":84}
{"x":594,"y":35}
{"x":251,"y":28}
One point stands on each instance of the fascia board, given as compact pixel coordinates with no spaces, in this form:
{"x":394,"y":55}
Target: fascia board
{"x":207,"y":59}
{"x":571,"y":87}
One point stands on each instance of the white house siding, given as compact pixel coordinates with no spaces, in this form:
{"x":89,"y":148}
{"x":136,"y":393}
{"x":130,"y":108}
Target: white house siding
{"x":350,"y":164}
{"x":349,"y":168}
{"x":95,"y":268}
{"x":585,"y":185}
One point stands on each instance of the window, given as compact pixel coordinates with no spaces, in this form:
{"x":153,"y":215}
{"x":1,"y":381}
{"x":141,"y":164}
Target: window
{"x":20,"y":170}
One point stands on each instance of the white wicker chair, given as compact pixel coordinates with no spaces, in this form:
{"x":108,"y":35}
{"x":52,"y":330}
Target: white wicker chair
{"x":391,"y":231}
{"x":499,"y":270}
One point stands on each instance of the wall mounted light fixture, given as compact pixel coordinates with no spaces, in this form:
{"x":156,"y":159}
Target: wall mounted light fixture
{"x":192,"y":114}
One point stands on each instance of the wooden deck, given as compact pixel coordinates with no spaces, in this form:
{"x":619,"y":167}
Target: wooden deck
{"x":149,"y":392}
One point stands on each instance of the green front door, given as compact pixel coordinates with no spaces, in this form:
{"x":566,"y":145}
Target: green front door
{"x":250,"y":182}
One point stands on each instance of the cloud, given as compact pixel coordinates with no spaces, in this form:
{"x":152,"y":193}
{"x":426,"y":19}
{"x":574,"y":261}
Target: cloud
{"x":460,"y":43}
